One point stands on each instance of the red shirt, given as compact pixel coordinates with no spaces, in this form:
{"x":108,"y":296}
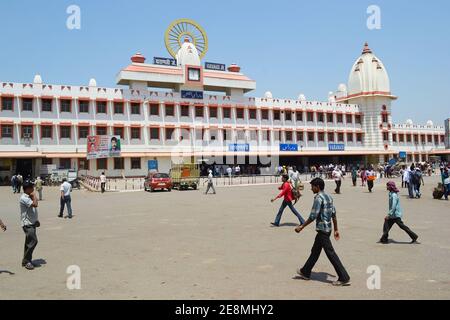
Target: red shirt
{"x":286,"y":191}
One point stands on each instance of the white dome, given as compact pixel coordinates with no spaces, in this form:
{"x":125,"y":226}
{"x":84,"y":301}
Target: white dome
{"x":368,"y":75}
{"x":342,"y":88}
{"x":301,"y":97}
{"x":268,"y":95}
{"x":188,"y":55}
{"x":92,"y":83}
{"x":430,"y":123}
{"x":409,"y":122}
{"x":37,"y":79}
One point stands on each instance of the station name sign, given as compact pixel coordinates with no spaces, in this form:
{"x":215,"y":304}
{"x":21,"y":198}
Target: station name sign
{"x":336,"y":147}
{"x":288,"y":147}
{"x":165,"y":61}
{"x":188,"y":94}
{"x":215,"y":66}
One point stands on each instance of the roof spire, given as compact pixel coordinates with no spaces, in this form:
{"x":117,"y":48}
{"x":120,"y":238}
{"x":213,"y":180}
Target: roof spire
{"x":366,"y":48}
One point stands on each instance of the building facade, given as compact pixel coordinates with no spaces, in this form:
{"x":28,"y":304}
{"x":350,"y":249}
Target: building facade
{"x":184,"y":110}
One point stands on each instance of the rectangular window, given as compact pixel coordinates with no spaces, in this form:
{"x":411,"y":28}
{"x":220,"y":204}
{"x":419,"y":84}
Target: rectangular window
{"x":46,"y":105}
{"x":252,"y":114}
{"x":135,"y":108}
{"x":240,"y":134}
{"x":349,"y":137}
{"x":265,"y":135}
{"x":65,"y":164}
{"x":83,"y":106}
{"x":253,"y":135}
{"x":349,"y":119}
{"x":154,"y":133}
{"x":118,"y":107}
{"x":83,"y":164}
{"x":101,"y":107}
{"x":185,"y":134}
{"x":47,"y":161}
{"x":240,"y":113}
{"x":299,"y":116}
{"x":101,"y":131}
{"x":135,"y":163}
{"x":276,"y":115}
{"x":320,"y":117}
{"x":385,"y":136}
{"x":65,"y":132}
{"x":394,"y":137}
{"x":27,"y":104}
{"x":83,"y":132}
{"x":119,"y":131}
{"x":402,"y":137}
{"x":359,"y":137}
{"x":358,"y":119}
{"x":154,"y":109}
{"x":119,"y":164}
{"x":170,"y":134}
{"x":288,"y":135}
{"x":199,"y":112}
{"x":46,"y":132}
{"x":384,"y":118}
{"x":226,"y":113}
{"x":193,"y":74}
{"x":65,"y":105}
{"x":170,"y":110}
{"x":321,"y":136}
{"x":7,"y":131}
{"x":330,"y":137}
{"x":311,"y":136}
{"x":213,"y":112}
{"x":213,"y":135}
{"x":102,"y":164}
{"x":299,"y":135}
{"x":184,"y":111}
{"x":264,"y":114}
{"x":27,"y":131}
{"x":310,"y":116}
{"x":330,"y":118}
{"x":7,"y":103}
{"x":429,"y":139}
{"x":227,"y":135}
{"x":340,"y":137}
{"x":199,"y":134}
{"x":339,"y":118}
{"x":288,"y":115}
{"x":135,"y":133}
{"x":408,"y":138}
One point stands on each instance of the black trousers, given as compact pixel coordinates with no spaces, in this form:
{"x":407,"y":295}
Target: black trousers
{"x":370,"y":185}
{"x":103,"y":185}
{"x":388,"y":225}
{"x":31,"y":242}
{"x":338,"y":186}
{"x":323,"y":241}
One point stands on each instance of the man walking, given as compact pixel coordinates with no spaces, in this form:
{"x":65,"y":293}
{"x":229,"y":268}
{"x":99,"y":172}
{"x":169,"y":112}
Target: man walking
{"x":323,"y":211}
{"x":38,"y":185}
{"x":210,"y":183}
{"x":19,"y":182}
{"x":409,"y":181}
{"x":394,"y":215}
{"x":14,"y":183}
{"x":65,"y":198}
{"x":354,"y":176}
{"x":371,"y":176}
{"x":103,"y":182}
{"x":337,"y":175}
{"x":286,"y":193}
{"x":28,"y":203}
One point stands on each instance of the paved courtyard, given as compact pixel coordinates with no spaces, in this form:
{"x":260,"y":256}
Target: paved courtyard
{"x":185,"y":245}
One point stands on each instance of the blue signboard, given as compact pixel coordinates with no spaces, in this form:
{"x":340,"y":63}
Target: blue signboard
{"x":152,"y":165}
{"x":188,"y":94}
{"x":392,"y":162}
{"x":235,"y":147}
{"x":165,"y":61}
{"x":336,"y":147}
{"x":402,"y":154}
{"x":214,"y":66}
{"x":288,"y":147}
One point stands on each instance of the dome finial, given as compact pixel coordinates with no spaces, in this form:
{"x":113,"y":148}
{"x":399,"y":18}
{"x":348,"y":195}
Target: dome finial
{"x":366,"y":48}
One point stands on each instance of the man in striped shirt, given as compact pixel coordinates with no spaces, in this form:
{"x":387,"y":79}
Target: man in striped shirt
{"x":323,"y":211}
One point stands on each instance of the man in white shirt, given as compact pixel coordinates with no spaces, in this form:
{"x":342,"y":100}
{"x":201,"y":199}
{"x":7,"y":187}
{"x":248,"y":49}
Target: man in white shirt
{"x":237,"y":170}
{"x":210,"y":183}
{"x":65,"y":198}
{"x":103,"y":182}
{"x":29,"y":221}
{"x":229,"y":171}
{"x":337,"y":175}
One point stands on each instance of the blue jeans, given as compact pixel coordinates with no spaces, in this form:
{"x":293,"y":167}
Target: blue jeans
{"x":294,"y":211}
{"x":411,"y":189}
{"x":66,"y":201}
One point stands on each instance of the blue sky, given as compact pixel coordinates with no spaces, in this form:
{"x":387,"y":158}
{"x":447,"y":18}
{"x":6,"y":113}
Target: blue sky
{"x":288,"y":47}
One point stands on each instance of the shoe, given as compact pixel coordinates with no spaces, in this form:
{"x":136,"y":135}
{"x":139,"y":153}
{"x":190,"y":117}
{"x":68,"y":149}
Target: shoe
{"x":414,"y":240}
{"x":29,"y":266}
{"x":383,"y":241}
{"x":70,"y":217}
{"x":302,"y":276}
{"x":60,"y":216}
{"x":341,"y":283}
{"x":274,"y":224}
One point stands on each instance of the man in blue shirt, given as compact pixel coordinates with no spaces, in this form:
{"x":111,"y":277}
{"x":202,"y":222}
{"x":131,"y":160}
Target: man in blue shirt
{"x":395,"y":215}
{"x":323,"y":211}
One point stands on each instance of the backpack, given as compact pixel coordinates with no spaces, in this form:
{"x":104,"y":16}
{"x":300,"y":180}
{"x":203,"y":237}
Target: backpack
{"x":415,"y":177}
